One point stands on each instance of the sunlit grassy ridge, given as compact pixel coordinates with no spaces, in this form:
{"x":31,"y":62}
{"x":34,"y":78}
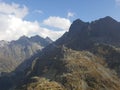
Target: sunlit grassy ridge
{"x":82,"y":71}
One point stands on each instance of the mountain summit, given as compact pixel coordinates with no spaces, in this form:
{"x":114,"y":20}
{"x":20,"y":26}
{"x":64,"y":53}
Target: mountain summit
{"x":107,"y":19}
{"x":83,"y":34}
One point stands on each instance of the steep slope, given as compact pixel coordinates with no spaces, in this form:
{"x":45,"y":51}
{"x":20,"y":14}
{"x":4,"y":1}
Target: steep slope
{"x":110,"y":54}
{"x":72,"y":70}
{"x":14,"y":53}
{"x":88,"y":62}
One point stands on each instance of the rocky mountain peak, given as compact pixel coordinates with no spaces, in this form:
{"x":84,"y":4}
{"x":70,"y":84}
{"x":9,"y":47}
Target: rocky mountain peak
{"x":78,"y":21}
{"x":23,"y":37}
{"x":77,"y":26}
{"x":83,"y":34}
{"x":108,"y":19}
{"x":48,"y":39}
{"x":36,"y":37}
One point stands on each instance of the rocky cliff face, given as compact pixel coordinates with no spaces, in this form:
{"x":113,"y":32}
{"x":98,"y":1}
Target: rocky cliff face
{"x":13,"y":53}
{"x":82,"y":35}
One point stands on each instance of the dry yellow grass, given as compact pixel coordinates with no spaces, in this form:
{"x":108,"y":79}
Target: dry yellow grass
{"x":81,"y":71}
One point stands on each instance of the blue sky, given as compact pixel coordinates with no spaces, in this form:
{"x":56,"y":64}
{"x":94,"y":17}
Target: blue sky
{"x":86,"y":10}
{"x":51,"y":17}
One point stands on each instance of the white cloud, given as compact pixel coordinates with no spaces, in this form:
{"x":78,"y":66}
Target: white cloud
{"x":117,"y":2}
{"x":13,"y":9}
{"x":12,"y":24}
{"x":38,"y":11}
{"x":58,"y":22}
{"x":70,"y":14}
{"x":44,"y":32}
{"x":13,"y":27}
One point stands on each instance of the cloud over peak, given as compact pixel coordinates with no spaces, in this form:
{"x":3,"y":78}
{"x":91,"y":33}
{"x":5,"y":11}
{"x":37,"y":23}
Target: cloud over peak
{"x":13,"y":25}
{"x":58,"y":22}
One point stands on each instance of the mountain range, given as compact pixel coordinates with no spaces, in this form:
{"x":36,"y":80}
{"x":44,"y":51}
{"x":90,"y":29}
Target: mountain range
{"x":87,"y":57}
{"x":13,"y":53}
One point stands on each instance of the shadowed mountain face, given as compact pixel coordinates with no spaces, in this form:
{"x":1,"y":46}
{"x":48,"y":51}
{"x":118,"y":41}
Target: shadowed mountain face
{"x":82,"y":35}
{"x":85,"y":58}
{"x":15,"y":52}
